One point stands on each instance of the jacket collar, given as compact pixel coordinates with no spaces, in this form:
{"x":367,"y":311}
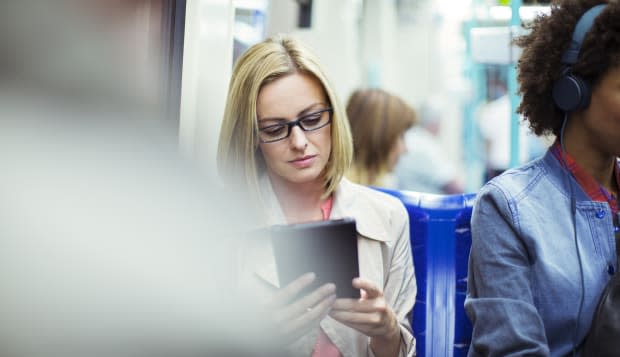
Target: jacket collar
{"x":350,"y":200}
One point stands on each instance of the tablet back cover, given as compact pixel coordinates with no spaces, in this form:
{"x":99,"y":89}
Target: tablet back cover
{"x":327,"y":248}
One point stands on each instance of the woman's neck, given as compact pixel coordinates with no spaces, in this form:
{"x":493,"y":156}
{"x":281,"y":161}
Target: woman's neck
{"x":599,"y":165}
{"x":299,"y":202}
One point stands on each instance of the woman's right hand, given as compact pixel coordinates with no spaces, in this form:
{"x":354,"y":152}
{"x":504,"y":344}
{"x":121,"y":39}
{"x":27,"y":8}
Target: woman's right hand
{"x":295,"y":316}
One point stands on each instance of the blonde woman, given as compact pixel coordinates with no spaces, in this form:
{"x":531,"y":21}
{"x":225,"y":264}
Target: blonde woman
{"x":378,"y":121}
{"x":286,"y":141}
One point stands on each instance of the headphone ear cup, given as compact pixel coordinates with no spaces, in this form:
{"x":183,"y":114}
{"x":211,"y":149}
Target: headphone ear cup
{"x":584,"y":99}
{"x":571,"y":93}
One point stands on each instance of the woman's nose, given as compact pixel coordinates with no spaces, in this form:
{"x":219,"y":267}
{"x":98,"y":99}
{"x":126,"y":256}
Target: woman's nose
{"x":298,"y":138}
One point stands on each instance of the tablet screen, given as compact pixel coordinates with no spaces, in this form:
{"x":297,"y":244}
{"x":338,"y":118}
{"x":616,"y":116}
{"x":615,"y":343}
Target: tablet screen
{"x":327,"y":248}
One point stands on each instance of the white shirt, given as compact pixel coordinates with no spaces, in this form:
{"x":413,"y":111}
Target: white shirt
{"x":494,"y":121}
{"x":425,"y":166}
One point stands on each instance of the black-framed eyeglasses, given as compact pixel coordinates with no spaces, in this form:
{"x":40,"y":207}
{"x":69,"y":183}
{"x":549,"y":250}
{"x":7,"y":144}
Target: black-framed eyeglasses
{"x":307,"y":122}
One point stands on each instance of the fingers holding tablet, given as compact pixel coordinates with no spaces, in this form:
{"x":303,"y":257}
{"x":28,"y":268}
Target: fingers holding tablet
{"x":369,"y":314}
{"x":295,"y":315}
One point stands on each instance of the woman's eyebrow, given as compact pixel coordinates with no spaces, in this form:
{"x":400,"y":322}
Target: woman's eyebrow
{"x":272,"y":119}
{"x":309,"y":109}
{"x":300,"y":114}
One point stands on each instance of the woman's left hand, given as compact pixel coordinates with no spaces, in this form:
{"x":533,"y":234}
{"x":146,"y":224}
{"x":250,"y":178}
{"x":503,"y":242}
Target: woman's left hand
{"x":370,"y":315}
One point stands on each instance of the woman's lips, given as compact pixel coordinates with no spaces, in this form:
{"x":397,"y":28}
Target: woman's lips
{"x":303,"y":162}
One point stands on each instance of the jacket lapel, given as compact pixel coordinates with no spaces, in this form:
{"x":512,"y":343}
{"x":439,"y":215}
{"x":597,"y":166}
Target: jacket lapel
{"x":348,"y":202}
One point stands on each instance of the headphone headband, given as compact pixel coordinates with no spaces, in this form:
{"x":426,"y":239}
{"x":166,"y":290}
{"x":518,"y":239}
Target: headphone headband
{"x":570,"y":92}
{"x":583,"y":26}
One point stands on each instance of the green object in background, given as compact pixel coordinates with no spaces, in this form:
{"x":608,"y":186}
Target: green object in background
{"x":503,"y":2}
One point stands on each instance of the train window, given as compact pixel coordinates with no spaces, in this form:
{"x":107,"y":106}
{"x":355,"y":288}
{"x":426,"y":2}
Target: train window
{"x":173,"y":29}
{"x":250,"y":23}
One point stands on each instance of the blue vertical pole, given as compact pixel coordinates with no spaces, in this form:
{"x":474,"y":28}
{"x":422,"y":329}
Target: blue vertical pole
{"x":474,"y":158}
{"x":515,"y":23}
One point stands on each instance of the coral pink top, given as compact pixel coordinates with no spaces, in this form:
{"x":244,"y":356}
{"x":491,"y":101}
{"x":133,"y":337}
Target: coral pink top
{"x":324,"y":346}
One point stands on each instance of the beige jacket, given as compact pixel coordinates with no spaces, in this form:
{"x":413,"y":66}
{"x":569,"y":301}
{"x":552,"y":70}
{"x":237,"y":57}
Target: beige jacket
{"x":384,"y":255}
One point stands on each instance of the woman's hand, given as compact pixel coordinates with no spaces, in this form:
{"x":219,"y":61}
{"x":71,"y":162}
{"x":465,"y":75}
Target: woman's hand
{"x":371,"y":316}
{"x":295,"y":316}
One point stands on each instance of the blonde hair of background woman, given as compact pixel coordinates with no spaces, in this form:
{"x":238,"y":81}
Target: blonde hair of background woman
{"x":377,"y":120}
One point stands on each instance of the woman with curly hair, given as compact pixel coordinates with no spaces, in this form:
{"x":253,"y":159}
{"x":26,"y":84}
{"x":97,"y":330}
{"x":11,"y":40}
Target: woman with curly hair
{"x":544,"y":234}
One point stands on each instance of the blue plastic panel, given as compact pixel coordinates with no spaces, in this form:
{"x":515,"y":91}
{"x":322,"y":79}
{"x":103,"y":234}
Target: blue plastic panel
{"x":440,"y":239}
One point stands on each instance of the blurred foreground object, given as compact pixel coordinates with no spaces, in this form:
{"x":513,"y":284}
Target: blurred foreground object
{"x":111,"y":244}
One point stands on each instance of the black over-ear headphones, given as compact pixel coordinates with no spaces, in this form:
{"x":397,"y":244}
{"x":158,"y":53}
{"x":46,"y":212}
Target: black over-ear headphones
{"x":570,"y":92}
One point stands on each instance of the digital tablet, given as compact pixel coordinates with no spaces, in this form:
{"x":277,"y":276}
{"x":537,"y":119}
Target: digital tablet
{"x":327,"y":248}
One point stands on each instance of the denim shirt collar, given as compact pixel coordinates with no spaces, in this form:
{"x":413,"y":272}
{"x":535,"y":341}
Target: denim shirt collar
{"x":562,"y":178}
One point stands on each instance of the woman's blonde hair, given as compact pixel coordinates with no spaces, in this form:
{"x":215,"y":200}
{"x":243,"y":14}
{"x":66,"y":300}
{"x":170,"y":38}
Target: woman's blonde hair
{"x":239,"y":156}
{"x":377,"y":119}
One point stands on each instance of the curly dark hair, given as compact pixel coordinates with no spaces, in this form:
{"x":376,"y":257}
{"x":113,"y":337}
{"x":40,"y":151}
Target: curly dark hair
{"x":540,"y":63}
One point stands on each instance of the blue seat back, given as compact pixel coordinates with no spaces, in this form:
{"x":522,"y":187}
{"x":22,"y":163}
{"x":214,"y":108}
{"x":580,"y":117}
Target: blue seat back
{"x":440,"y":240}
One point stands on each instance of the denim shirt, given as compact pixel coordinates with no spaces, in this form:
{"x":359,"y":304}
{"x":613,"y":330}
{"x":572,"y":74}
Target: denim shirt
{"x":524,"y":285}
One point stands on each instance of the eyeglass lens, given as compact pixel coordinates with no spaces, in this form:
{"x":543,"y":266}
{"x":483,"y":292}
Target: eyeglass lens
{"x":308,"y":122}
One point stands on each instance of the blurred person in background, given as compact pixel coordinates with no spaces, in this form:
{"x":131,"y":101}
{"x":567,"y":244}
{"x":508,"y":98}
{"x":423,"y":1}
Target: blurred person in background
{"x":426,"y":167}
{"x":494,"y":122}
{"x":378,"y":122}
{"x":545,"y":235}
{"x":285,"y":142}
{"x":110,"y":243}
{"x":494,"y":119}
